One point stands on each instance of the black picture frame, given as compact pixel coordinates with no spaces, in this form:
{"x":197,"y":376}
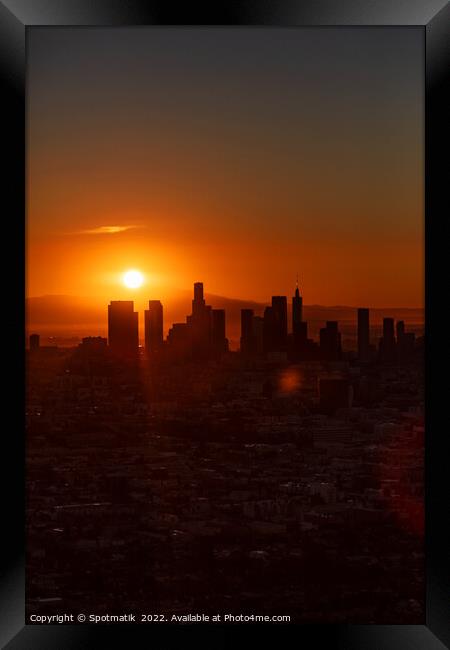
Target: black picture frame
{"x":16,"y":18}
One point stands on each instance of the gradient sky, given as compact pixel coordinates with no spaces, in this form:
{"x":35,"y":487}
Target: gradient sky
{"x":229,"y":155}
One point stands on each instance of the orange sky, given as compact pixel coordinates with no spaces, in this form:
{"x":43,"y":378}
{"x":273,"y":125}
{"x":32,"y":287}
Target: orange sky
{"x":192,"y":156}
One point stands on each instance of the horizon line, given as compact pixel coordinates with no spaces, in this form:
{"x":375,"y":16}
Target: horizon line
{"x":214,"y":295}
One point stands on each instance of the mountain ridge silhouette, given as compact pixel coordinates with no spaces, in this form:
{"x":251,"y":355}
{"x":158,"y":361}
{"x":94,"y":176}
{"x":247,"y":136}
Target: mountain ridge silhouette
{"x":84,"y":316}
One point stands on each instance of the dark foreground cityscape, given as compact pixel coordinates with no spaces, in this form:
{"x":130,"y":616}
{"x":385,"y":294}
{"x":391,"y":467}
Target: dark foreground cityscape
{"x":285,"y":478}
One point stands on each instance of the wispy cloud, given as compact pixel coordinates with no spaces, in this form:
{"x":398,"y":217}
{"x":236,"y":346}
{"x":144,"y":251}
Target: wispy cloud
{"x":105,"y":230}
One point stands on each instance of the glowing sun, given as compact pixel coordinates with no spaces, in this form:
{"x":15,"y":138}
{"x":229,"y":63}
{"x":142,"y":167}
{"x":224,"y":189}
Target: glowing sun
{"x":133,"y":279}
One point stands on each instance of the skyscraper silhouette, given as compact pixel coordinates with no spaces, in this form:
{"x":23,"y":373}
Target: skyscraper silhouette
{"x":297,"y":312}
{"x":179,"y":342}
{"x":299,"y":327}
{"x":123,"y":338}
{"x":388,"y":329}
{"x":198,"y":303}
{"x":405,"y":342}
{"x":387,"y":342}
{"x":258,"y":334}
{"x":330,"y":341}
{"x":218,"y":340}
{"x":400,"y":329}
{"x":153,"y":326}
{"x":247,"y":335}
{"x":268,"y":330}
{"x":200,"y":323}
{"x":279,"y":316}
{"x":363,"y":334}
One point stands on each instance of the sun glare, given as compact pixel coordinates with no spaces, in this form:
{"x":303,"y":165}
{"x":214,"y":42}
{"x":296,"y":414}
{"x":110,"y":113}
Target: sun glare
{"x":133,"y":279}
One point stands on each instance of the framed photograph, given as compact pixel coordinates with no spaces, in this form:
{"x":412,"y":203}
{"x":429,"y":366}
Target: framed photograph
{"x":225,"y":229}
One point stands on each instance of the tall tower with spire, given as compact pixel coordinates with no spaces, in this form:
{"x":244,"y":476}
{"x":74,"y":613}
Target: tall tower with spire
{"x":297,"y":311}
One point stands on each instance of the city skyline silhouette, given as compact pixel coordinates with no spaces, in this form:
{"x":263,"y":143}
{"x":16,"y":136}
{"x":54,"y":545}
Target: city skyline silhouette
{"x":275,"y":329}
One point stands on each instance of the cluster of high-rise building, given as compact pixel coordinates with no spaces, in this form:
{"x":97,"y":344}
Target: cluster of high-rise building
{"x":395,"y":343}
{"x":202,"y":336}
{"x":268,"y":335}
